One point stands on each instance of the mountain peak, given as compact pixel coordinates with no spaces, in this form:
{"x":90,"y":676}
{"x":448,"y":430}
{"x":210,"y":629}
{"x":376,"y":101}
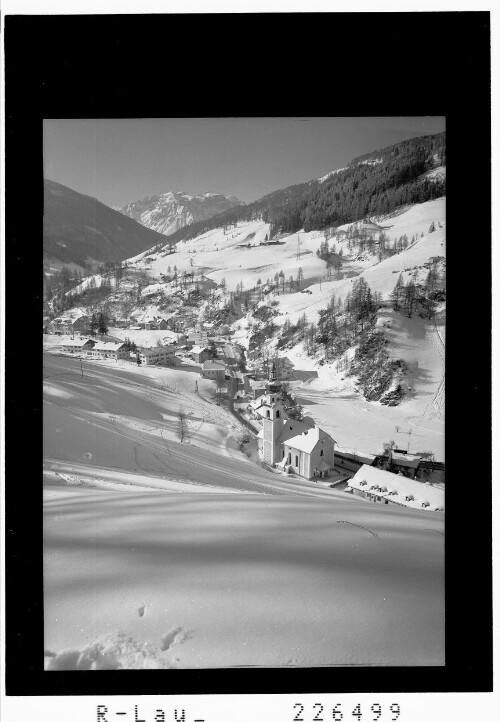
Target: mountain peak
{"x":173,"y":210}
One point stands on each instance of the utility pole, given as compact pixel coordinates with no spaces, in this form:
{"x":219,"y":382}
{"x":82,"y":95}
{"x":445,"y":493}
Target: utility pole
{"x":81,"y":367}
{"x":298,"y":246}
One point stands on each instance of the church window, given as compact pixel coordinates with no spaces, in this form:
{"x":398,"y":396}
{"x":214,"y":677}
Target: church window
{"x":272,"y":400}
{"x":268,"y":414}
{"x":277,"y":414}
{"x":283,"y":453}
{"x":321,"y":452}
{"x":296,"y":461}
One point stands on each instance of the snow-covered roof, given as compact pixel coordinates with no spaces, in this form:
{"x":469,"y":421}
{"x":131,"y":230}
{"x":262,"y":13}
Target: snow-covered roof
{"x":213,"y":366}
{"x":107,"y":346}
{"x":398,"y":487}
{"x":77,"y":343}
{"x":154,"y":351}
{"x":258,"y":383}
{"x":355,"y":454}
{"x":406,"y":459}
{"x":198,"y":349}
{"x":308,"y":439}
{"x":291,"y":428}
{"x":257,"y":403}
{"x":73,"y":314}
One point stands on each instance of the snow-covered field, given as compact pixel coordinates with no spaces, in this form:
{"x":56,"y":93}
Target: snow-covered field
{"x":330,"y":397}
{"x":157,"y":580}
{"x":163,"y":554}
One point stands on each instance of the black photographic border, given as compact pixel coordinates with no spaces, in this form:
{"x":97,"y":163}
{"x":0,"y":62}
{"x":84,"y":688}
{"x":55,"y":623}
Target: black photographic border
{"x":321,"y":64}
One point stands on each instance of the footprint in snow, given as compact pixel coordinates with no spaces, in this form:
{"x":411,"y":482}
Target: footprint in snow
{"x":174,"y":636}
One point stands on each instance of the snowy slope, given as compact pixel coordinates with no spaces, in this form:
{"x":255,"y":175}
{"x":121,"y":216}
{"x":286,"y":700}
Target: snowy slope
{"x":227,"y":255}
{"x":416,"y":424}
{"x":162,"y":554}
{"x":350,"y":419}
{"x":164,"y":580}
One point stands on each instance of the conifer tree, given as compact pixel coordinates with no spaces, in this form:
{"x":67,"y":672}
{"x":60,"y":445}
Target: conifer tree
{"x":397,"y":293}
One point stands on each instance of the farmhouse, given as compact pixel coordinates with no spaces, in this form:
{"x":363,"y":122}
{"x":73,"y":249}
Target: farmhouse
{"x":384,"y":487}
{"x":258,"y":387}
{"x":156,"y":356}
{"x":215,"y":371}
{"x":77,"y":346}
{"x":67,"y":325}
{"x":200,"y":354}
{"x":109,"y":349}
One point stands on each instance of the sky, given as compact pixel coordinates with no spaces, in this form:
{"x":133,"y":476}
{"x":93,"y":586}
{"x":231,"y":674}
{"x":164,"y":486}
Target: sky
{"x":119,"y":161}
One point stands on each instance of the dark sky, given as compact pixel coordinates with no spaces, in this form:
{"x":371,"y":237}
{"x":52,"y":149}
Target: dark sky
{"x":118,"y":161}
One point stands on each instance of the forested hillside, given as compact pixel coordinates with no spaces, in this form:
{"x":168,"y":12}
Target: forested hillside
{"x":78,"y":229}
{"x":373,"y":184}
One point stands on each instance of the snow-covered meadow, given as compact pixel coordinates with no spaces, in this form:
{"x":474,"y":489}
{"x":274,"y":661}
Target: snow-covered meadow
{"x":161,"y":554}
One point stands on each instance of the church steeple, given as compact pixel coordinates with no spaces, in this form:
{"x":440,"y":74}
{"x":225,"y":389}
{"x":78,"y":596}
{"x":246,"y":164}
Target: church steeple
{"x":273,"y":386}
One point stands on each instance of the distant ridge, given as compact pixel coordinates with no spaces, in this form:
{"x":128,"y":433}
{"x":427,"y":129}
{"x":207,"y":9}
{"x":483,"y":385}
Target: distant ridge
{"x":79,"y":229}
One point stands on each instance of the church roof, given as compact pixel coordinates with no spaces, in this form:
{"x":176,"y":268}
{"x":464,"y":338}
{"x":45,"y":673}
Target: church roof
{"x":308,"y":440}
{"x":291,"y":428}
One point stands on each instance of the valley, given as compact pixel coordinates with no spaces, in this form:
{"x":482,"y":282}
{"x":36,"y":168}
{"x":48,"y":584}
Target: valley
{"x":219,"y":406}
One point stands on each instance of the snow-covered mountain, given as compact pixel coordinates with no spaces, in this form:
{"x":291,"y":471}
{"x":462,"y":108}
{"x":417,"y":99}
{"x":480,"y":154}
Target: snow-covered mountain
{"x":170,"y":211}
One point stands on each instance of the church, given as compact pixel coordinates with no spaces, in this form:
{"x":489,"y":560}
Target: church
{"x":290,"y":444}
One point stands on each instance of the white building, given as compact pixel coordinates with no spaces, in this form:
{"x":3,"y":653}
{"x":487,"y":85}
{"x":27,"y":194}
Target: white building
{"x":78,"y":345}
{"x":108,"y":349}
{"x":385,"y":487}
{"x":310,"y":454}
{"x":214,"y":371}
{"x":288,"y":442}
{"x":156,"y":356}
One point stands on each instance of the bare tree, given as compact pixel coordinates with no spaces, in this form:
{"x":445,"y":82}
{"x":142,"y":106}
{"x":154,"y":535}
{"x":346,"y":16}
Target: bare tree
{"x":181,"y":424}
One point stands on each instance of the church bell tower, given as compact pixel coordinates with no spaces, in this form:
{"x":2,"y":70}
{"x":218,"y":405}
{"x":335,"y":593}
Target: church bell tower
{"x":274,"y":414}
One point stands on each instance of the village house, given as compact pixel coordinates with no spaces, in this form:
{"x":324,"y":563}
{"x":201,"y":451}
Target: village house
{"x":385,"y":487}
{"x":234,"y":354}
{"x":288,"y":443}
{"x":156,"y":356}
{"x":76,"y":346}
{"x":70,"y":326}
{"x":200,"y":354}
{"x":257,"y":387}
{"x":352,"y":459}
{"x":109,"y":349}
{"x":121,"y":322}
{"x":214,"y":371}
{"x":198,"y":338}
{"x":369,"y":229}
